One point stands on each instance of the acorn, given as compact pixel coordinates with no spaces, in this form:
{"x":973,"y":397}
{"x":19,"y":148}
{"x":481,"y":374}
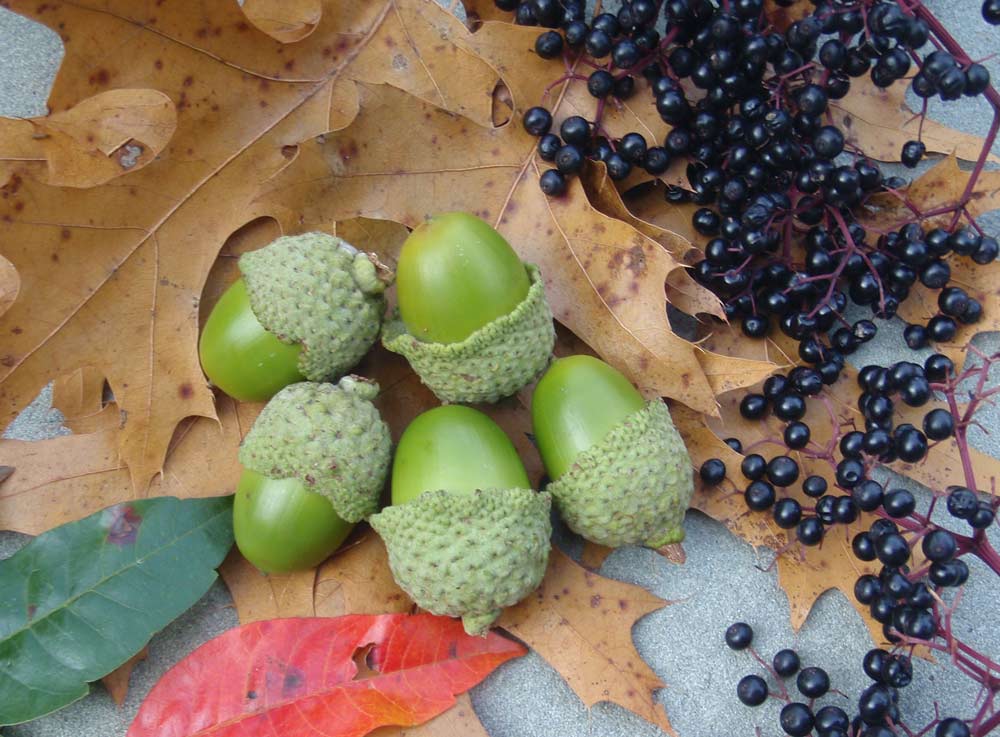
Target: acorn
{"x":307,"y":307}
{"x":466,"y":535}
{"x":315,"y":462}
{"x":472,"y":318}
{"x":620,"y":472}
{"x":282,"y":526}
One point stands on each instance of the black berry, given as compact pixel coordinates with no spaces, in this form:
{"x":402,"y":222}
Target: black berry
{"x":752,"y":690}
{"x":713,"y":471}
{"x":813,"y":682}
{"x":785,"y":662}
{"x":796,"y":719}
{"x":552,"y":183}
{"x":739,"y":635}
{"x":537,"y":121}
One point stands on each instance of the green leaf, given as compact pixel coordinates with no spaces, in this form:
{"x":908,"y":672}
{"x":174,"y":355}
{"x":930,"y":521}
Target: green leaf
{"x":81,"y":599}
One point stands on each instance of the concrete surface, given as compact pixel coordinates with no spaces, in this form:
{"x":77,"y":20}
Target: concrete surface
{"x":720,"y":583}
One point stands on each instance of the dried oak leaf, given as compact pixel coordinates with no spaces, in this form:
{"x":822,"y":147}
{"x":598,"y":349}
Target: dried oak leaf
{"x":648,"y":205}
{"x":403,"y":160}
{"x":65,"y":478}
{"x":270,"y":596}
{"x":878,"y":122}
{"x":933,"y":195}
{"x":96,"y":140}
{"x":110,"y":277}
{"x":782,"y":17}
{"x":285,"y":20}
{"x":459,"y":721}
{"x":478,"y":11}
{"x":80,"y":397}
{"x":357,"y":580}
{"x":10,"y":284}
{"x":580,"y":623}
{"x":606,"y":197}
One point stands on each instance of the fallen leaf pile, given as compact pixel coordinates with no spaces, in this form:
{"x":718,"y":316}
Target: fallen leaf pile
{"x":202,"y":135}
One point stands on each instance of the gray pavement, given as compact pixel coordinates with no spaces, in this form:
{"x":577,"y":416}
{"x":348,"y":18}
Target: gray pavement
{"x":720,"y":583}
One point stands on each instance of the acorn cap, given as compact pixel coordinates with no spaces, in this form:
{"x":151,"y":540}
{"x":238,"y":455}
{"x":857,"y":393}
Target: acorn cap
{"x":330,"y":437}
{"x":319,"y":291}
{"x":494,"y":362}
{"x":468,"y":555}
{"x":631,"y":488}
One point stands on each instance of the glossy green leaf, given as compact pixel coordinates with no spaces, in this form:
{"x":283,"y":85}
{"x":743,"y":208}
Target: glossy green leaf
{"x":78,"y":601}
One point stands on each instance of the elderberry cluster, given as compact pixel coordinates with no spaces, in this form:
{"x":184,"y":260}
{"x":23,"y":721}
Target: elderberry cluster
{"x":797,"y":718}
{"x":780,"y":194}
{"x":750,"y":116}
{"x":877,"y":705}
{"x":905,"y":594}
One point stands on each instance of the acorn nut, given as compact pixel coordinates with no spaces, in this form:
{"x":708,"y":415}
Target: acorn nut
{"x":620,"y":472}
{"x":315,"y":462}
{"x":473,"y":320}
{"x":307,"y":307}
{"x":466,"y":535}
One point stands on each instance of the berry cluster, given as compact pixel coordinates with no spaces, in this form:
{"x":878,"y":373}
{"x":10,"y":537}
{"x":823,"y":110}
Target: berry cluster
{"x":783,"y":201}
{"x":877,"y":705}
{"x":852,"y":458}
{"x":919,"y":559}
{"x":797,"y":718}
{"x":749,"y":110}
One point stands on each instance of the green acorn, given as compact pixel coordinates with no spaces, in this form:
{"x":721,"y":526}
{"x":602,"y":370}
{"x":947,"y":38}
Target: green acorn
{"x":620,"y":472}
{"x":307,"y":307}
{"x":466,"y":535}
{"x":283,"y":512}
{"x":282,"y":526}
{"x":473,"y":319}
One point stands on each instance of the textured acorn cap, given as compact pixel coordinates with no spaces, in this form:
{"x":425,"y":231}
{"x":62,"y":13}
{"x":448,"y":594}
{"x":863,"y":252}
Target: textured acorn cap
{"x":631,"y":488}
{"x":468,"y":555}
{"x":328,"y":436}
{"x":494,"y":362}
{"x":319,"y":291}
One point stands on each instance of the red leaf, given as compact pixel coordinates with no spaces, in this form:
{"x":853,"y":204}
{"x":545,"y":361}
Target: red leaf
{"x":298,"y":677}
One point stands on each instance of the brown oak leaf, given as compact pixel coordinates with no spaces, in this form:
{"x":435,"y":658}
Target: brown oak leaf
{"x":10,"y":284}
{"x":269,"y":596}
{"x":459,"y":721}
{"x":580,"y":623}
{"x":80,"y":397}
{"x":100,"y":138}
{"x":939,"y":189}
{"x":285,"y":20}
{"x":604,"y":279}
{"x":878,"y":122}
{"x":68,"y":477}
{"x":111,"y":276}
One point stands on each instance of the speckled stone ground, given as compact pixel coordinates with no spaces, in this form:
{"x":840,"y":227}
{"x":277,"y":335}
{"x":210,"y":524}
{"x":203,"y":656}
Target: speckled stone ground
{"x":722,"y":580}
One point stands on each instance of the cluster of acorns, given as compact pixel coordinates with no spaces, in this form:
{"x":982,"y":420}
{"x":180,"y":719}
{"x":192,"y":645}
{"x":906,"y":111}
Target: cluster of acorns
{"x":465,"y":533}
